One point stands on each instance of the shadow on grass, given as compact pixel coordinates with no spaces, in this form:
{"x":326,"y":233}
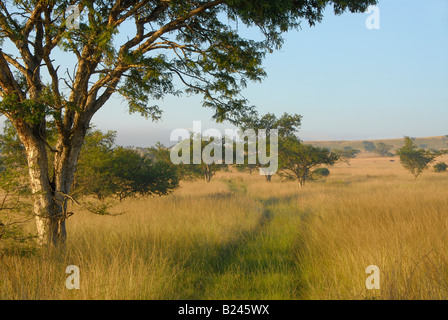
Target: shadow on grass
{"x":250,"y":255}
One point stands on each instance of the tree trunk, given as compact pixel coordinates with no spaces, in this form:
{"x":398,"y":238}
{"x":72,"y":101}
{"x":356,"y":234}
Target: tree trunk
{"x":50,"y":228}
{"x":208,"y":173}
{"x":50,"y":194}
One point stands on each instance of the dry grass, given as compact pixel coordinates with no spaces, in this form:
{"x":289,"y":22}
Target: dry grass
{"x":239,"y":237}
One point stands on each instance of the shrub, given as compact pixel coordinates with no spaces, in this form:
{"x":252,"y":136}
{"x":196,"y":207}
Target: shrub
{"x":321,"y":172}
{"x":440,"y":167}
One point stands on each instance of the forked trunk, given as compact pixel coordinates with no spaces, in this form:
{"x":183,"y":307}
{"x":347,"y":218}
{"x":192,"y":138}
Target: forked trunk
{"x":49,"y":193}
{"x":49,"y":223}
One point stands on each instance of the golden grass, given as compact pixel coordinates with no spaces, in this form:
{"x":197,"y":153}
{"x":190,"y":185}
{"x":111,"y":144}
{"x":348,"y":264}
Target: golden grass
{"x":240,"y":237}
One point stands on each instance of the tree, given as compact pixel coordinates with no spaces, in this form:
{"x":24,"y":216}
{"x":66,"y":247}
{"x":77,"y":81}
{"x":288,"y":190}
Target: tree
{"x":384,"y":149}
{"x":440,"y":167}
{"x":206,"y":156}
{"x":137,"y":175}
{"x":414,"y":159}
{"x":195,"y":42}
{"x":184,"y":171}
{"x":287,"y":125}
{"x":369,"y":146}
{"x":104,"y":171}
{"x":296,"y":160}
{"x":321,"y":172}
{"x":346,"y":154}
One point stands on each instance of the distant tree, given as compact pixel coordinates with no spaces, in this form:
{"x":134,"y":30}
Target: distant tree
{"x":414,"y":159}
{"x":296,"y":160}
{"x":369,"y":146}
{"x":383,"y":149}
{"x":440,"y":167}
{"x":287,"y":125}
{"x":346,"y":154}
{"x":187,"y":172}
{"x":321,"y":172}
{"x":210,"y":156}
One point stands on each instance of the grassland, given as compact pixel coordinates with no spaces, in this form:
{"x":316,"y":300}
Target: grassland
{"x":240,"y":237}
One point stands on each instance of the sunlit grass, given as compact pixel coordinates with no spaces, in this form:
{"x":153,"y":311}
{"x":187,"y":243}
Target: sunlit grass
{"x":240,"y":237}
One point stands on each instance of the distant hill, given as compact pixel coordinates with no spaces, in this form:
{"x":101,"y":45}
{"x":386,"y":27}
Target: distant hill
{"x":437,"y":143}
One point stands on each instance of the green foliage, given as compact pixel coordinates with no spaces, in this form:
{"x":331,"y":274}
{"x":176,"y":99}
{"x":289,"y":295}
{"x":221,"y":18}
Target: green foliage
{"x":369,"y":146}
{"x":185,"y":172}
{"x":14,"y":186}
{"x":321,"y":172}
{"x":296,"y":160}
{"x":105,"y":171}
{"x":205,"y":168}
{"x":383,"y":149}
{"x":440,"y":167}
{"x":14,"y":213}
{"x":414,"y":159}
{"x":287,"y":125}
{"x":346,"y":154}
{"x":13,"y":163}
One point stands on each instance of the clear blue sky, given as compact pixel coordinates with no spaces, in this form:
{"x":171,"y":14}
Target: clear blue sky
{"x":346,"y":81}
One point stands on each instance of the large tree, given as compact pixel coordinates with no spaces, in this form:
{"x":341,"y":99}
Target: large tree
{"x":135,"y":49}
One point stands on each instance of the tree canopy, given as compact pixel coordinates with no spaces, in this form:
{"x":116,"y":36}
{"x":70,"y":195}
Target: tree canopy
{"x":296,"y":160}
{"x":346,"y":154}
{"x":383,"y":149}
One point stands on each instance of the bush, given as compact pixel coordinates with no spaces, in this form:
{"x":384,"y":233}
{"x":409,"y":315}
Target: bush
{"x":440,"y":167}
{"x":321,"y":172}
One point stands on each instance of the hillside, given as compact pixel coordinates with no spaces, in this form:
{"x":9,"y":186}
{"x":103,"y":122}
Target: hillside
{"x":437,"y":143}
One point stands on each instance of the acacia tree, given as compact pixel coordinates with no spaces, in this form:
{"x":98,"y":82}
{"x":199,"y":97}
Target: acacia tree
{"x":132,"y":48}
{"x":415,"y":159}
{"x":346,"y":154}
{"x":287,"y":125}
{"x":296,"y":160}
{"x":383,"y":149}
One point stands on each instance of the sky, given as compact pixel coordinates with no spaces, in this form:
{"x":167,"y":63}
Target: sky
{"x":347,"y":81}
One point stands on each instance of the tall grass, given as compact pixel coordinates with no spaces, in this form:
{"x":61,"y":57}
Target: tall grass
{"x":240,"y":237}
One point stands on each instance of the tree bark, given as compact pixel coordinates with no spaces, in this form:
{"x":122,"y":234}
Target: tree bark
{"x":49,"y":193}
{"x":49,"y":229}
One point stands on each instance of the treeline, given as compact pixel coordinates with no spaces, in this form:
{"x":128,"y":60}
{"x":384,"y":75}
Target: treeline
{"x":106,"y":171}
